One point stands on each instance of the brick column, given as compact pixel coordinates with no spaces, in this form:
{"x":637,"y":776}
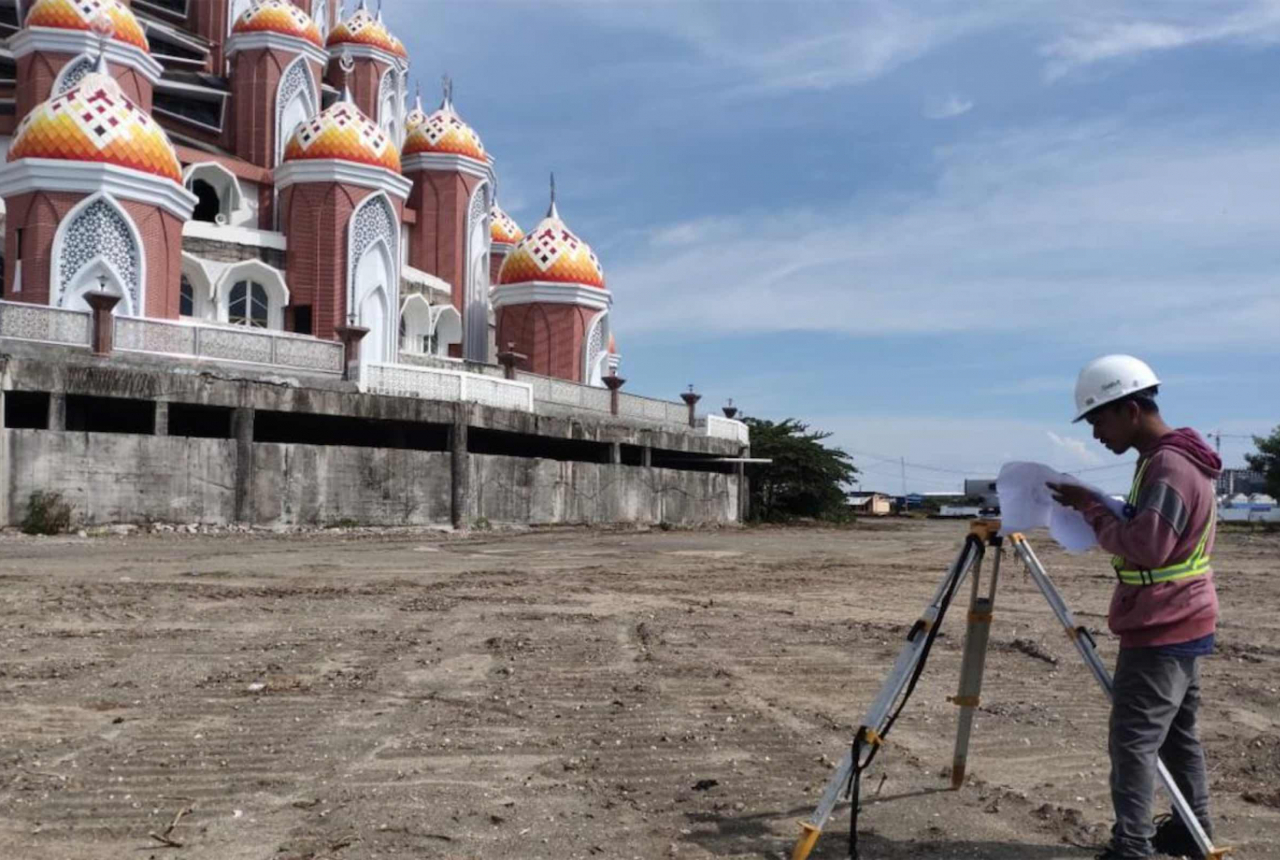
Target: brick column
{"x":242,"y":430}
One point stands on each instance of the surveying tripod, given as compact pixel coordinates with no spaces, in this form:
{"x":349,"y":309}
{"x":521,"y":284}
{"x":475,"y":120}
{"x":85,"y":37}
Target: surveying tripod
{"x":897,"y":688}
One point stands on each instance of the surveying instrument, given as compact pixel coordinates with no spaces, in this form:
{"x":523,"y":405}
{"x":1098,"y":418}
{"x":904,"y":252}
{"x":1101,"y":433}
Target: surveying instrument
{"x":897,"y":688}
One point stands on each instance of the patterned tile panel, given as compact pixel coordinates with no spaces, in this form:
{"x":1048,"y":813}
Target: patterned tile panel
{"x":234,"y":344}
{"x":278,"y":16}
{"x":38,"y":322}
{"x":342,"y":132}
{"x":551,"y":252}
{"x":405,"y":381}
{"x":96,"y":122}
{"x":362,"y":28}
{"x":80,"y":14}
{"x":317,"y":355}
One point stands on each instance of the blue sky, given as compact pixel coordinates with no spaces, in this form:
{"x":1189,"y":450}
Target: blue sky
{"x":908,"y":223}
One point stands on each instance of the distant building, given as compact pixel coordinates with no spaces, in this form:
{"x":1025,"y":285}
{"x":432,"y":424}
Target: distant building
{"x":1235,"y":481}
{"x":871,"y":504}
{"x":984,"y":489}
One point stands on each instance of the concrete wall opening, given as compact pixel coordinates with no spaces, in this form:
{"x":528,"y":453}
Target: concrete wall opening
{"x":504,"y":443}
{"x":686,"y":461}
{"x":199,"y":421}
{"x":26,"y":410}
{"x":110,"y":415}
{"x":300,"y":428}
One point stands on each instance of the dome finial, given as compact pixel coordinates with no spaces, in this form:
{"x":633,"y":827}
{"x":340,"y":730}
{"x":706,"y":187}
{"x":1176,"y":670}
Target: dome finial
{"x":379,"y":11}
{"x":447,"y":87}
{"x":346,"y":65}
{"x":552,"y":212}
{"x":103,"y":28}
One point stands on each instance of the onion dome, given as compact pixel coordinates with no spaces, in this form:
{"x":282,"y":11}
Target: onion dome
{"x":551,"y":252}
{"x":81,"y":14}
{"x":96,"y":122}
{"x":416,"y":117}
{"x":278,"y":16}
{"x":444,"y":132}
{"x":502,"y":227}
{"x":343,"y":133}
{"x":362,"y":28}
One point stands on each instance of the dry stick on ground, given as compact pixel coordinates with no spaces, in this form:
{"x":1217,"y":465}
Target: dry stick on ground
{"x":165,"y":838}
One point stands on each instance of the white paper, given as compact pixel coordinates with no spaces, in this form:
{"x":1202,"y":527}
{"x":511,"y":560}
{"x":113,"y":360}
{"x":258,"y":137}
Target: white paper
{"x":1026,"y":504}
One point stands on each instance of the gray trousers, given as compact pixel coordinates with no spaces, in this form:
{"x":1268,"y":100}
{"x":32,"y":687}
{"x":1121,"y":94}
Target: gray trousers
{"x":1153,"y":714}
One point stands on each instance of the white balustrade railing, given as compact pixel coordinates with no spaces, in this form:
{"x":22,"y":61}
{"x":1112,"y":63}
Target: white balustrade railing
{"x":725,"y":428}
{"x":403,"y":380}
{"x":45,"y":324}
{"x":229,"y":343}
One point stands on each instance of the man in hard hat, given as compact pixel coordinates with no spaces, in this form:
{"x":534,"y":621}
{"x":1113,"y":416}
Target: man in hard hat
{"x":1164,"y":608}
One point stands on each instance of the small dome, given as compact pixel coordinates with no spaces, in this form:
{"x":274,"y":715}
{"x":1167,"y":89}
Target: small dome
{"x":362,"y":28}
{"x":343,"y":133}
{"x":502,"y":227}
{"x":414,"y":119}
{"x":278,"y":16}
{"x":552,"y":253}
{"x":96,"y":122}
{"x":445,"y":132}
{"x":81,"y":14}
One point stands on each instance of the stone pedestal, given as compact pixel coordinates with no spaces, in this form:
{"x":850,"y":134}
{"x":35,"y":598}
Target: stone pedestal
{"x":691,"y":400}
{"x":103,"y":327}
{"x":613,"y":382}
{"x":510,"y":359}
{"x":351,"y":335}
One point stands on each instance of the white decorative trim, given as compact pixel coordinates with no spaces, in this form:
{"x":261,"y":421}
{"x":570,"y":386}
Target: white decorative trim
{"x":59,"y":83}
{"x":237,"y":194}
{"x":237,"y":235}
{"x":272,"y":41}
{"x":346,"y":172}
{"x":203,"y":281}
{"x":407,"y":380}
{"x":448,"y":162}
{"x":598,"y":322}
{"x":356,"y":253}
{"x":425,"y":279}
{"x":365,"y":52}
{"x":89,"y":177}
{"x":475,"y":339}
{"x":502,"y":248}
{"x":312,"y":104}
{"x":253,"y":271}
{"x":135,"y":294}
{"x":549,"y":292}
{"x":57,"y":40}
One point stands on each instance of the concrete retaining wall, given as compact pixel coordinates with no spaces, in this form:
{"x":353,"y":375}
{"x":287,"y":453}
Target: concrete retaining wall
{"x":539,"y":492}
{"x":111,"y":478}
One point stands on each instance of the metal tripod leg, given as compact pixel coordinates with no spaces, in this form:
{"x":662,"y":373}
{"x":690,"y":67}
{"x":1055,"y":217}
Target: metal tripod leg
{"x":882,"y":709}
{"x":969,"y":694}
{"x":1089,"y":652}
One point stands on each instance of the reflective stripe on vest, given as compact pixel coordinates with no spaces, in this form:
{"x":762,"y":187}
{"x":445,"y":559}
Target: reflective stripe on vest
{"x":1195,"y":565}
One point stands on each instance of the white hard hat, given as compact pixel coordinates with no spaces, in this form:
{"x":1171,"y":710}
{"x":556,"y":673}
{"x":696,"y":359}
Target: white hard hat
{"x":1111,"y":378}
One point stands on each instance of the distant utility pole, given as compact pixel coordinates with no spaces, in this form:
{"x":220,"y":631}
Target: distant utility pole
{"x":904,"y":477}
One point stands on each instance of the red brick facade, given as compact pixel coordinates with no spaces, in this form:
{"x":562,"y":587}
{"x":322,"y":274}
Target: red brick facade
{"x":38,"y":71}
{"x":438,"y":242}
{"x":552,"y":335}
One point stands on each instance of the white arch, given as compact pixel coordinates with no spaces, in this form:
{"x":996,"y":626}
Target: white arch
{"x":253,"y":271}
{"x":121,"y":255}
{"x":320,"y":14}
{"x":193,"y":268}
{"x":374,"y":276}
{"x":388,"y":106}
{"x":595,"y":350}
{"x":479,"y":244}
{"x":415,"y":324}
{"x":72,"y":73}
{"x":446,"y":328}
{"x":296,"y":102}
{"x":223,"y":181}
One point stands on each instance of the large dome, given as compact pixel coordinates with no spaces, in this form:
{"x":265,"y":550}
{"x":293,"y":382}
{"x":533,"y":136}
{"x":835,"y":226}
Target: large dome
{"x":551,"y":252}
{"x":445,"y":132}
{"x":278,"y":16}
{"x":503,"y":227}
{"x":362,"y":28}
{"x":343,"y":133}
{"x":81,"y":14}
{"x":96,"y":122}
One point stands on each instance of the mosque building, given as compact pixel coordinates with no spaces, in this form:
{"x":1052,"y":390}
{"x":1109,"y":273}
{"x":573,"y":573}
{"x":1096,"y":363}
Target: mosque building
{"x":257,"y":164}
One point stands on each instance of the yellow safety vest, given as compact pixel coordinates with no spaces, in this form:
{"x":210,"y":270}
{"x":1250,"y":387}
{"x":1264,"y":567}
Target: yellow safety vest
{"x":1195,"y":565}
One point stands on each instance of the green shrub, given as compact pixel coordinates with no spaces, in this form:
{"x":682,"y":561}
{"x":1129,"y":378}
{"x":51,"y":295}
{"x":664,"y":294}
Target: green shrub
{"x":47,"y":514}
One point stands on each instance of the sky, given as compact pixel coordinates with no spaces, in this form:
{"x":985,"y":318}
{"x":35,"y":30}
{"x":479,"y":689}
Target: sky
{"x":905,"y":222}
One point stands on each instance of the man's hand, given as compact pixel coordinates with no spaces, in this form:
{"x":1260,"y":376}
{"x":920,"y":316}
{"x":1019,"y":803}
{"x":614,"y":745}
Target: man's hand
{"x":1072,"y":495}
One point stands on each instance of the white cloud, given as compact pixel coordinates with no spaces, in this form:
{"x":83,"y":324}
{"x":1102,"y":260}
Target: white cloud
{"x":1095,"y":234}
{"x":1077,"y":449}
{"x":953,"y":106}
{"x":1114,"y":33}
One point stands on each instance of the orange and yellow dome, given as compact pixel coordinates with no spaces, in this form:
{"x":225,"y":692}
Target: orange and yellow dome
{"x":502,"y":228}
{"x":445,"y":132}
{"x":81,"y":14}
{"x":342,"y":132}
{"x":551,"y":252}
{"x":96,"y":122}
{"x":363,"y":28}
{"x":414,"y":119}
{"x":278,"y":16}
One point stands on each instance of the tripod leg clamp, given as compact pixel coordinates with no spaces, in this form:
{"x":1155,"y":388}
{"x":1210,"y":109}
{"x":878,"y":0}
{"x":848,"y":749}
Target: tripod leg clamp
{"x":808,"y":838}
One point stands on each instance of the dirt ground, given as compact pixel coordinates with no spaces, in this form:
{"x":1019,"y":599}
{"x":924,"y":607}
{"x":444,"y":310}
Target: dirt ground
{"x":568,"y":694}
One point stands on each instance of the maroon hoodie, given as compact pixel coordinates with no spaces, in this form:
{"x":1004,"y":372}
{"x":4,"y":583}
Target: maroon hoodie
{"x":1175,"y":505}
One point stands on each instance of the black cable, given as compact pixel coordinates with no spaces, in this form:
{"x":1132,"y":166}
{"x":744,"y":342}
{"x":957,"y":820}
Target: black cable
{"x":860,"y":739}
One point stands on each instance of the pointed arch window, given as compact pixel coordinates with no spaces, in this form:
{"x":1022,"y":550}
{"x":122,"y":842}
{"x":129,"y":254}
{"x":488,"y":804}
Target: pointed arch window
{"x":248,"y":305}
{"x":97,"y":240}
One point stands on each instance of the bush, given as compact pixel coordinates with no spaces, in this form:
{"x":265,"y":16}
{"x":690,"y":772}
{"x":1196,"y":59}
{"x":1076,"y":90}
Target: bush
{"x":47,"y":514}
